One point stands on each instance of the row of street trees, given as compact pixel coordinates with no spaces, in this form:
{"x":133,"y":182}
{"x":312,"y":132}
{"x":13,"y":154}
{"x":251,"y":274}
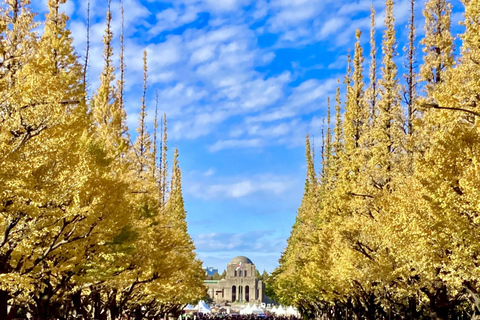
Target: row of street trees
{"x":390,"y":226}
{"x":91,"y":224}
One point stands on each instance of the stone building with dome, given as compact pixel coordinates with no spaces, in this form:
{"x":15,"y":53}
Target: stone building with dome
{"x":240,"y":284}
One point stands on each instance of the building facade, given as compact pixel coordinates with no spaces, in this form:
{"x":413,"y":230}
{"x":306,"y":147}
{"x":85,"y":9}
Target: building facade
{"x":240,"y":284}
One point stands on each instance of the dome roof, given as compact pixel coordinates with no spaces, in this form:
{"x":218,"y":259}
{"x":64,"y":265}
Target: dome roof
{"x":241,"y":259}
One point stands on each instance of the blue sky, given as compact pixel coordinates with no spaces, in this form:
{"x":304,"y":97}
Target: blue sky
{"x":242,"y":83}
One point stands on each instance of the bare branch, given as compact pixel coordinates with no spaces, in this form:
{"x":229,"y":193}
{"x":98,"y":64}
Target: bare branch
{"x":436,"y":106}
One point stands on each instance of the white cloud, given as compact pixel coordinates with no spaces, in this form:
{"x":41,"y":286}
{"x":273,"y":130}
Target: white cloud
{"x":221,"y":61}
{"x":235,"y":143}
{"x":267,"y":185}
{"x":198,"y":125}
{"x":165,"y":53}
{"x":202,"y":54}
{"x":256,"y":241}
{"x":208,"y":76}
{"x":79,"y":32}
{"x":224,"y":5}
{"x":292,"y":19}
{"x":273,"y":131}
{"x":352,"y":8}
{"x":310,"y":95}
{"x":339,"y":63}
{"x":287,"y":133}
{"x":209,"y":172}
{"x":165,"y":77}
{"x":331,"y":26}
{"x":172,"y":18}
{"x":68,"y":8}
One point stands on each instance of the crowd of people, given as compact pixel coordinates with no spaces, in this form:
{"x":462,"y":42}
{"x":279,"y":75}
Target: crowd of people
{"x":211,"y":316}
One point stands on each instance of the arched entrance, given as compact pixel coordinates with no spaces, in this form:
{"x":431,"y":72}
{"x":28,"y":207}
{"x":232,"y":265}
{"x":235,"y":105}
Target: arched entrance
{"x":234,"y":293}
{"x":247,"y":294}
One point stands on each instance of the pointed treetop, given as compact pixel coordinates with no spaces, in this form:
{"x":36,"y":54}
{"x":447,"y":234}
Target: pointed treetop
{"x":311,"y":177}
{"x":142,"y":128}
{"x":348,"y":76}
{"x":102,"y":102}
{"x":371,"y":92}
{"x":175,"y":201}
{"x":155,"y":128}
{"x":437,"y":43}
{"x":164,"y":164}
{"x":143,"y":144}
{"x":121,"y":55}
{"x":355,"y":112}
{"x":411,"y":76}
{"x":338,"y":129}
{"x":176,"y":175}
{"x":327,"y":159}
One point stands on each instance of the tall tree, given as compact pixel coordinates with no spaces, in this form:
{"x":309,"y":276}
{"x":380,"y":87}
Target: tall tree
{"x":143,"y":143}
{"x":164,"y":164}
{"x":388,"y":129}
{"x":107,"y":105}
{"x":410,"y":77}
{"x":438,"y":42}
{"x":371,"y":92}
{"x":356,"y":113}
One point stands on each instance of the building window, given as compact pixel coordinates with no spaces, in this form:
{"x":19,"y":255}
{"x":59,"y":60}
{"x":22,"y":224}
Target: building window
{"x":245,"y":273}
{"x":240,"y":273}
{"x":235,"y":273}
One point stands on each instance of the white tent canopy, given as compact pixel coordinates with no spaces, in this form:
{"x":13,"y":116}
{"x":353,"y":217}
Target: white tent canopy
{"x":274,"y":309}
{"x":291,"y":312}
{"x":246,"y":310}
{"x":203,"y":308}
{"x":252,"y":310}
{"x":189,"y":307}
{"x":256,"y":310}
{"x":280,"y":311}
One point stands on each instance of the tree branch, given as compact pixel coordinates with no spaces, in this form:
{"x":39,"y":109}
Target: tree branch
{"x":436,"y":106}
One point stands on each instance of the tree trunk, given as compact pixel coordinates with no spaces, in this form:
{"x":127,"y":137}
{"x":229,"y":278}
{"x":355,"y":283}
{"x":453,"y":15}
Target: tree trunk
{"x":78,"y":305}
{"x":96,"y":303}
{"x":412,"y":308}
{"x":4,"y":297}
{"x":138,"y":314}
{"x":370,"y":307}
{"x":439,"y":306}
{"x":112,"y":305}
{"x":441,"y":303}
{"x":42,"y":307}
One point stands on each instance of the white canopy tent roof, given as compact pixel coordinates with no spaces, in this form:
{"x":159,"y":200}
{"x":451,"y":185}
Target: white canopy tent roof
{"x":292,"y":312}
{"x":252,"y":310}
{"x":189,"y":307}
{"x":280,"y":311}
{"x":246,"y":310}
{"x":256,"y":310}
{"x":203,"y":308}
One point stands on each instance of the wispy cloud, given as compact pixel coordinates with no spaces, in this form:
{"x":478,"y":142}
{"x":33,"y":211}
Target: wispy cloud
{"x":235,"y":143}
{"x":309,"y":96}
{"x":267,"y":185}
{"x":257,"y":241}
